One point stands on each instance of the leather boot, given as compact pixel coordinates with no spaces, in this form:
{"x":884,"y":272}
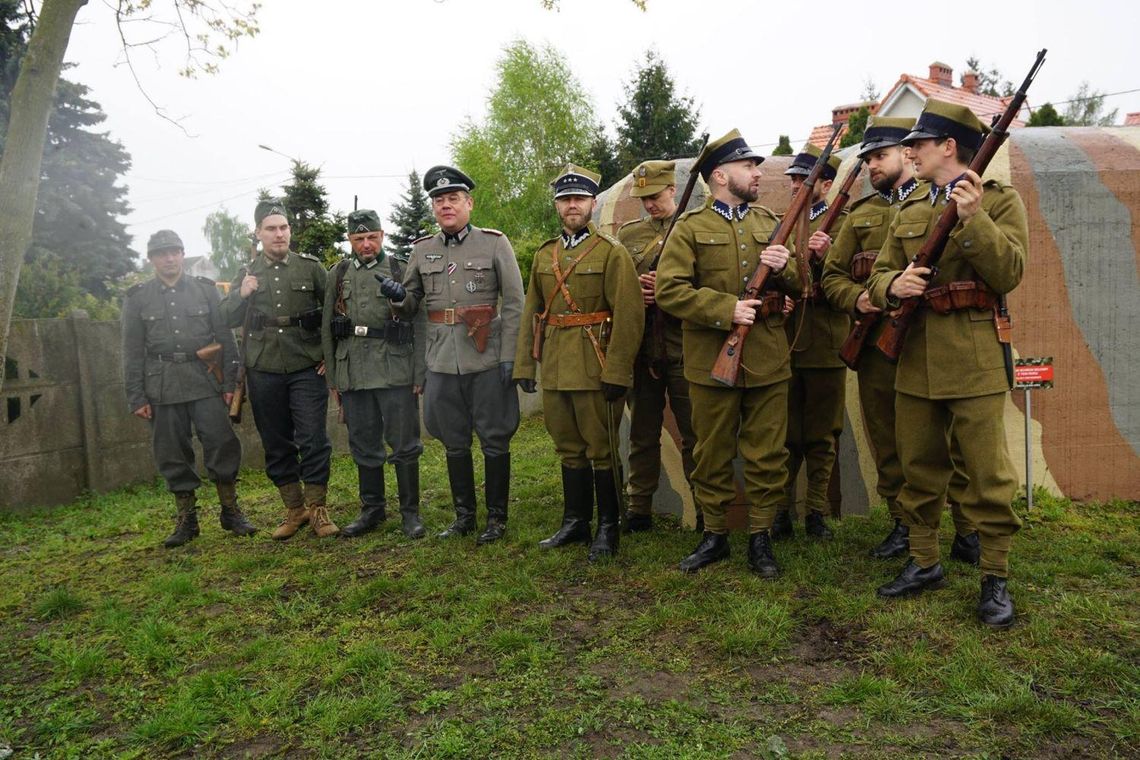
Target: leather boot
{"x":496,"y":491}
{"x":712,"y":548}
{"x":609,"y":529}
{"x":760,"y":558}
{"x":408,"y":485}
{"x":912,"y":580}
{"x":995,"y":608}
{"x":896,"y":544}
{"x":577,"y":508}
{"x":461,"y":476}
{"x":296,"y":515}
{"x":966,"y":549}
{"x":782,"y":527}
{"x":815,"y":526}
{"x":319,"y":520}
{"x":373,"y":504}
{"x":637,"y":522}
{"x":185,"y":520}
{"x":231,"y":517}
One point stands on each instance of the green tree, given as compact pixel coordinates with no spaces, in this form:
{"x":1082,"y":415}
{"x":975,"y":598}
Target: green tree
{"x":412,"y":218}
{"x":1086,"y":109}
{"x":1046,"y":116}
{"x":784,"y":147}
{"x":316,"y":231}
{"x":856,"y":126}
{"x":990,"y":81}
{"x":230,"y":241}
{"x":654,"y":122}
{"x":603,"y":157}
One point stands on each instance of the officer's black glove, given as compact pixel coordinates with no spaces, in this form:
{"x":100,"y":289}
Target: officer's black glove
{"x":613,"y":392}
{"x":527,"y":385}
{"x":390,"y":288}
{"x":506,"y":369}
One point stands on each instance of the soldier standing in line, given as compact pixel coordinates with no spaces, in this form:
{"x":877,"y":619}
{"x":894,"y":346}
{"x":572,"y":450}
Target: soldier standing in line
{"x":952,"y":376}
{"x":179,"y":367}
{"x":283,"y":293}
{"x":375,"y":360}
{"x":707,"y":262}
{"x":583,"y":321}
{"x":458,"y":276}
{"x":659,"y":371}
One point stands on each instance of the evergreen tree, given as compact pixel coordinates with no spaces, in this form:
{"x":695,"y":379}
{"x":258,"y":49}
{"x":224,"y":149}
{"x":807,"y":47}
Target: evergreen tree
{"x":784,"y":147}
{"x":989,"y":80}
{"x":412,"y":218}
{"x":229,"y":242}
{"x":1086,"y":109}
{"x":1046,"y":116}
{"x":654,"y":122}
{"x":856,"y":126}
{"x":603,"y":158}
{"x":316,"y":231}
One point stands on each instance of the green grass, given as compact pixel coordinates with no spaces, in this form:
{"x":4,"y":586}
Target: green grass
{"x":380,"y":646}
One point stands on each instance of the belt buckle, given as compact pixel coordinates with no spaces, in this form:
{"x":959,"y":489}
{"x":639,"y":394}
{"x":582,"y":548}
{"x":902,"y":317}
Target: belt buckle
{"x":178,"y":356}
{"x":360,"y":330}
{"x":449,"y":316}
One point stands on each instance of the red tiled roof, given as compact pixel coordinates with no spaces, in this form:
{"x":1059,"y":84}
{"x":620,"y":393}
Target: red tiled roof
{"x":985,"y":107}
{"x":821,"y":134}
{"x":1132,"y":120}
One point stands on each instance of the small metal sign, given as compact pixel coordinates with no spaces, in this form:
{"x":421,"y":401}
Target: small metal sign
{"x":1029,"y":374}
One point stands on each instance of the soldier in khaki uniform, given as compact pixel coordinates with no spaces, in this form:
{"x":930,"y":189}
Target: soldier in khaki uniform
{"x":467,"y":280}
{"x":952,"y":376}
{"x":585,"y":305}
{"x":845,"y":272}
{"x":283,"y":293}
{"x":707,"y":262}
{"x":170,"y":325}
{"x":375,"y":360}
{"x":659,"y":371}
{"x":819,"y":379}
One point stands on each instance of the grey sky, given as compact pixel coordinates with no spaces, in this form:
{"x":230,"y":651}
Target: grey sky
{"x":389,"y":82}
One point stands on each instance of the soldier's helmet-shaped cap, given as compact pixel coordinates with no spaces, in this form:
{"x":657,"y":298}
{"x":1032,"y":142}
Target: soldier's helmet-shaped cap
{"x":724,"y":150}
{"x":651,"y":177}
{"x":806,"y":158}
{"x":884,"y":132}
{"x":363,"y":220}
{"x":269,"y":208}
{"x":576,"y":180}
{"x":446,"y":179}
{"x":940,"y":119}
{"x":163,"y":240}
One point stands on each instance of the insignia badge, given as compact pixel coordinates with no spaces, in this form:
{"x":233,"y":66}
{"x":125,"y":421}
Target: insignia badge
{"x":433,"y":256}
{"x":451,"y":267}
{"x":479,"y":277}
{"x":641,"y":172}
{"x":361,"y":228}
{"x":441,"y":182}
{"x":471,"y":287}
{"x":641,"y":181}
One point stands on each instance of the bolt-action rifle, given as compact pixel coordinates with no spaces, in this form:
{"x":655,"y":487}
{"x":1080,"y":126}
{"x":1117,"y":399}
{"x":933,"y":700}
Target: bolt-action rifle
{"x":239,"y":386}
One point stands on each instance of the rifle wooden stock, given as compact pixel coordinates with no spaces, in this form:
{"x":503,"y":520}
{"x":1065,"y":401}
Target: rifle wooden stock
{"x":842,"y":198}
{"x":239,"y":386}
{"x":852,"y":347}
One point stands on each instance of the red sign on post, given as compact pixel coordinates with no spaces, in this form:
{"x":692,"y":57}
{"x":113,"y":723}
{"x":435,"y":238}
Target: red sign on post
{"x":1033,"y":373}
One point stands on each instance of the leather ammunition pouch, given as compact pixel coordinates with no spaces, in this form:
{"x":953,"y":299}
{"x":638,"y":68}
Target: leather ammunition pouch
{"x":341,"y":326}
{"x":960,"y":295}
{"x":771,"y":302}
{"x":477,"y":318}
{"x":861,"y":265}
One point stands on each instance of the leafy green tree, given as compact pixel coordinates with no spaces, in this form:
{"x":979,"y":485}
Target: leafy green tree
{"x":230,"y":241}
{"x":412,"y":218}
{"x":856,"y":126}
{"x":1086,"y":109}
{"x":1046,"y":116}
{"x":784,"y":147}
{"x":655,"y":122}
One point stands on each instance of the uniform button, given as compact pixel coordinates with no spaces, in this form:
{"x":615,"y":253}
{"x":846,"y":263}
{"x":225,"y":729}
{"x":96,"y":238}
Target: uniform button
{"x":275,"y":279}
{"x":967,"y":244}
{"x":744,"y":263}
{"x":718,"y":323}
{"x":174,"y":317}
{"x":744,"y":279}
{"x":278,"y":292}
{"x":176,"y":332}
{"x":172,"y":303}
{"x":278,"y":306}
{"x":280,"y":330}
{"x":740,"y":231}
{"x":743,"y":246}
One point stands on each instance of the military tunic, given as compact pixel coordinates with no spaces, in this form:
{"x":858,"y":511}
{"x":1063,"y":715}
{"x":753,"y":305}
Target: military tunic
{"x":658,"y":372}
{"x":577,"y":415}
{"x":951,"y":378}
{"x":162,"y":328}
{"x":704,"y":269}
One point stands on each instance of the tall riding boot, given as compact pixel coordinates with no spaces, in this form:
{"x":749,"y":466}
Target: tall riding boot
{"x":185,"y":520}
{"x":319,"y":519}
{"x":497,"y":473}
{"x":461,"y":475}
{"x":373,"y":504}
{"x":231,"y":517}
{"x":609,"y":530}
{"x":577,"y":508}
{"x":408,"y":485}
{"x":296,"y":515}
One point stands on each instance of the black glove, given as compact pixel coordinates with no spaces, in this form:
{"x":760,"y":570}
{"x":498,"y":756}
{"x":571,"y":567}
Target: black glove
{"x":613,"y":392}
{"x":506,"y":369}
{"x":527,"y":385}
{"x":390,"y":288}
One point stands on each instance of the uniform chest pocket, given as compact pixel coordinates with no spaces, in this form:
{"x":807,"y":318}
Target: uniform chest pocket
{"x":199,"y":316}
{"x":871,"y":220}
{"x":303,"y":291}
{"x":910,"y":230}
{"x":433,"y":276}
{"x":714,"y":251}
{"x":480,"y":277}
{"x":589,"y":283}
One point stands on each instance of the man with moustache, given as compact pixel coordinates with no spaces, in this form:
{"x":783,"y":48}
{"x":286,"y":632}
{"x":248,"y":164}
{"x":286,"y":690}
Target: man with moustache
{"x":707,"y":262}
{"x":585,"y":304}
{"x":283,"y":293}
{"x":375,"y":360}
{"x":459,"y":276}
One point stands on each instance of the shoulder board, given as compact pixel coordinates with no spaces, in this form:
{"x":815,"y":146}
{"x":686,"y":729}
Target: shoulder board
{"x":630,"y":223}
{"x":422,"y":239}
{"x":490,"y":231}
{"x":856,"y":203}
{"x":547,"y":242}
{"x":997,"y":184}
{"x":766,"y":210}
{"x":311,"y":257}
{"x":692,"y":212}
{"x":608,"y":238}
{"x":403,"y":259}
{"x":134,"y":288}
{"x":204,"y":280}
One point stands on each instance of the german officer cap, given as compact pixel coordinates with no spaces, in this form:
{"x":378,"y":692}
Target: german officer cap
{"x":940,"y":119}
{"x":363,"y":220}
{"x":162,"y":240}
{"x":575,"y":180}
{"x":805,"y":160}
{"x":651,"y":177}
{"x":269,"y":208}
{"x":884,"y":132}
{"x":724,"y":150}
{"x":445,"y":179}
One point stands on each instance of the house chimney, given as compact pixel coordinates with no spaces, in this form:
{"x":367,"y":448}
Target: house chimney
{"x":970,"y":81}
{"x":941,"y":74}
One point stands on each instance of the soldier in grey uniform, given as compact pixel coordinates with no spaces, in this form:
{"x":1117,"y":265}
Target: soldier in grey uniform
{"x":172,"y":330}
{"x":458,"y":276}
{"x":375,"y":360}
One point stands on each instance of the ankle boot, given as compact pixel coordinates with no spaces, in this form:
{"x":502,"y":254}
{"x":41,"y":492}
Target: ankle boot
{"x":577,"y":508}
{"x":319,"y":520}
{"x":408,"y":485}
{"x":231,"y":517}
{"x":461,"y":475}
{"x":966,"y":549}
{"x":296,"y":515}
{"x":815,"y":526}
{"x":373,"y":504}
{"x":637,"y":522}
{"x":712,"y":548}
{"x":609,"y":530}
{"x":913,"y":580}
{"x":782,"y":527}
{"x":995,"y":608}
{"x":896,"y":544}
{"x":760,"y":558}
{"x":497,"y":474}
{"x":185,"y":520}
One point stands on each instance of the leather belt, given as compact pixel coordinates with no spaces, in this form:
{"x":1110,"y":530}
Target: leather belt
{"x":455,"y":316}
{"x":578,"y":320}
{"x":177,"y":356}
{"x":960,"y":295}
{"x":363,"y":331}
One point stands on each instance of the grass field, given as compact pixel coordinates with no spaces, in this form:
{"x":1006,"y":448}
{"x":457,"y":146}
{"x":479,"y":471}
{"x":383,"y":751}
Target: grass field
{"x":383,"y":647}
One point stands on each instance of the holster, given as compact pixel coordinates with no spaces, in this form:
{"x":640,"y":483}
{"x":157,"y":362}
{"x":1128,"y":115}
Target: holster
{"x":398,"y":332}
{"x":310,"y":320}
{"x":539,"y":323}
{"x":861,"y":265}
{"x":478,"y":320}
{"x":211,"y":355}
{"x":960,"y":295}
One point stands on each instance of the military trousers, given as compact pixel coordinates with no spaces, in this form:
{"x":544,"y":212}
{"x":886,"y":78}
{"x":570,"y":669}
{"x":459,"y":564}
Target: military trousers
{"x":290,"y":410}
{"x":378,"y":416}
{"x":924,"y":428}
{"x":753,"y":422}
{"x":456,"y":405}
{"x":815,"y":421}
{"x":171,"y":429}
{"x":646,"y":416}
{"x":579,"y":423}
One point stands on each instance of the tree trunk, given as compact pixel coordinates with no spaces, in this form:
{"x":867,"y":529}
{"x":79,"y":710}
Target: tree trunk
{"x":31,"y":104}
